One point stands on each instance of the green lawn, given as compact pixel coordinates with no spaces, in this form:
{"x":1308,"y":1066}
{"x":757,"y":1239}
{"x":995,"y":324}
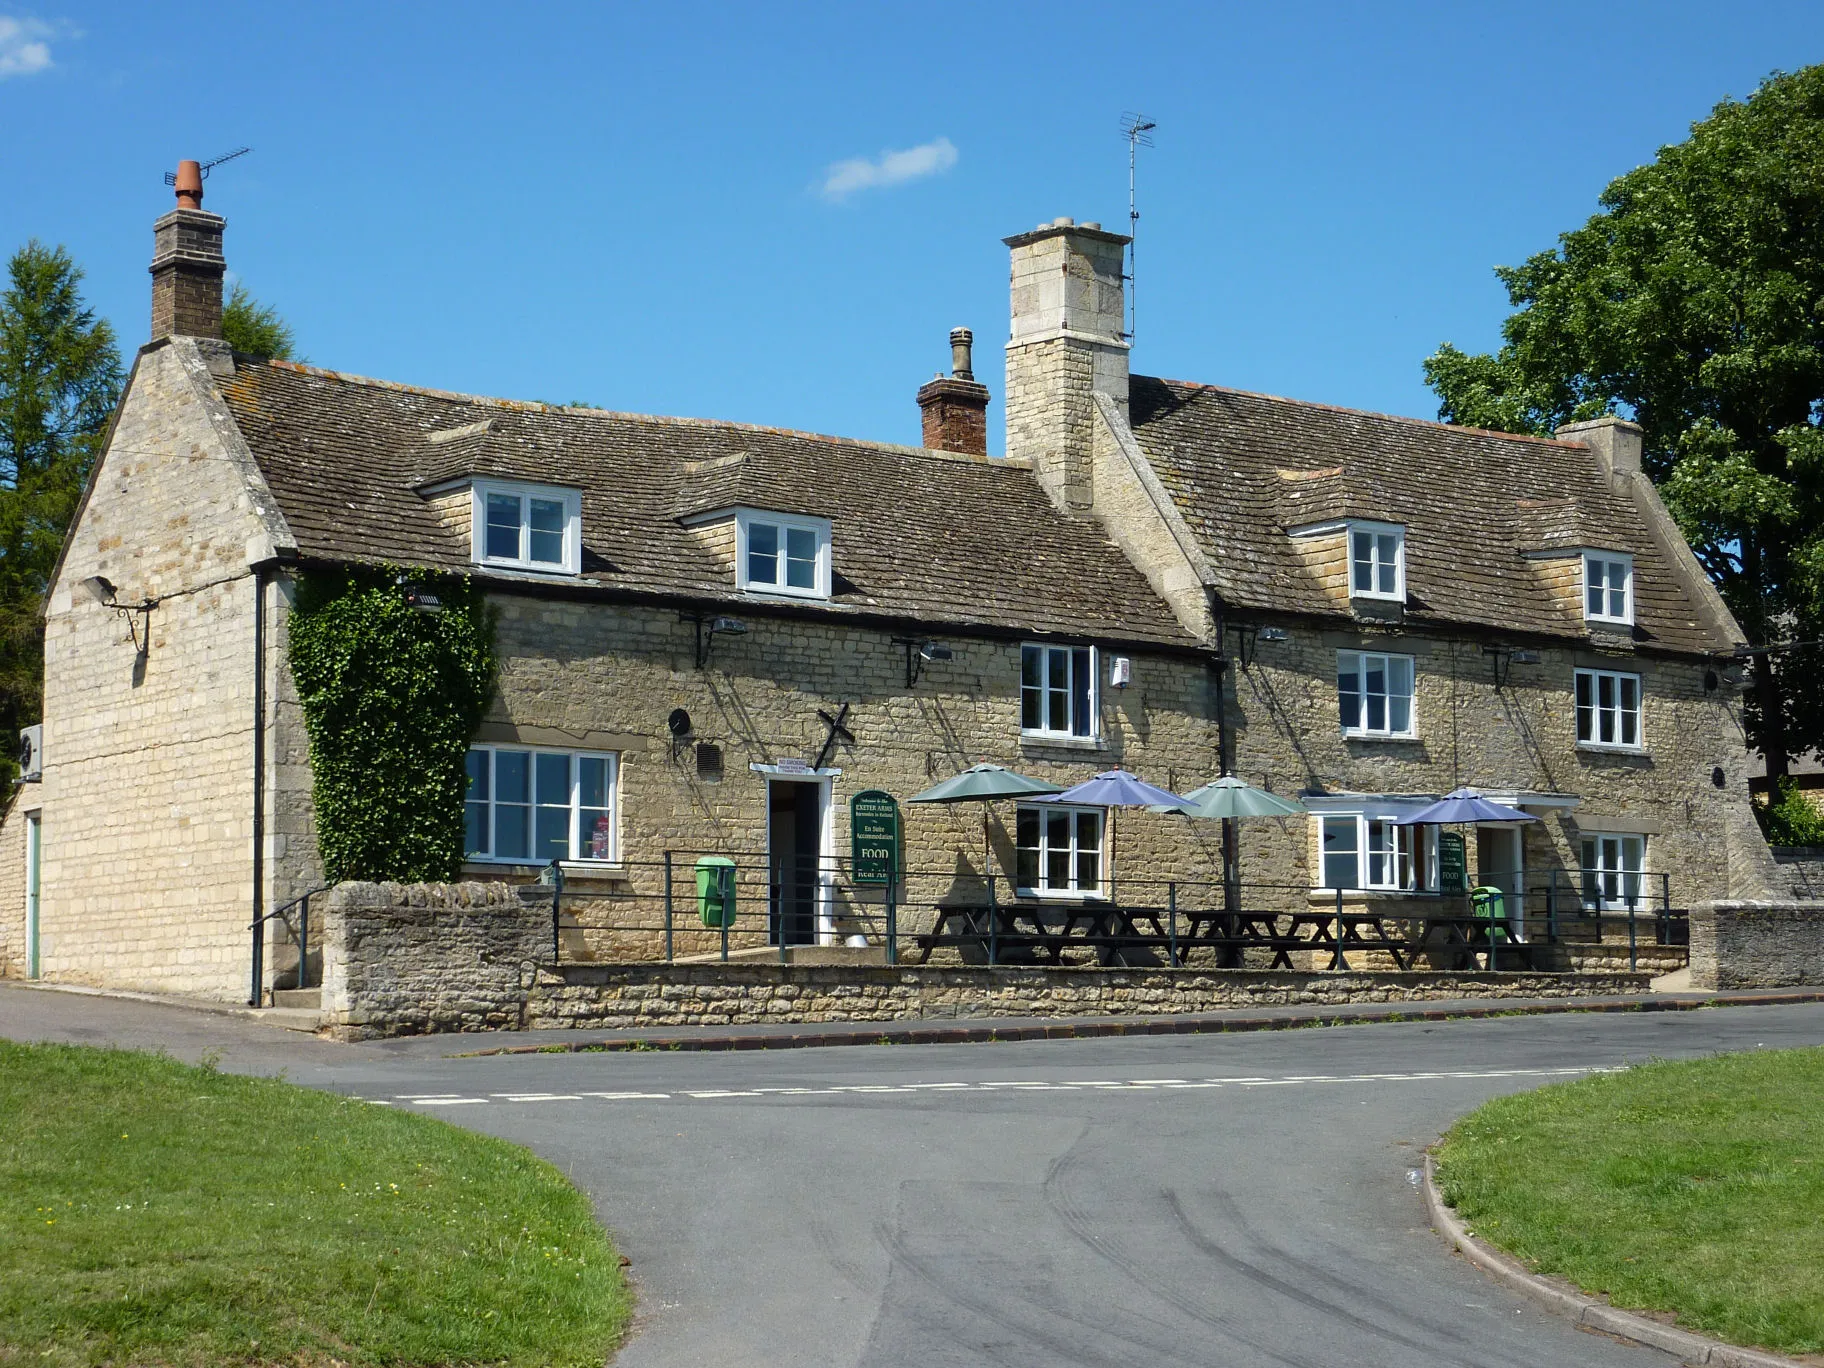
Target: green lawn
{"x":1695,"y":1188}
{"x":157,"y":1214}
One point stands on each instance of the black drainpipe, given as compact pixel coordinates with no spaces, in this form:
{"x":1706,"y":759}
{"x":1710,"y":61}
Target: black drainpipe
{"x":259,"y":785}
{"x":1230,"y":956}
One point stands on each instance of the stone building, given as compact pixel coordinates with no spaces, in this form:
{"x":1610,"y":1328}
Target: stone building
{"x":714,"y":635}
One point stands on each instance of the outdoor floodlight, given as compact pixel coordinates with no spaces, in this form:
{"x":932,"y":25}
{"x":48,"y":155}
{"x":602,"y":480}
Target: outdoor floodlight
{"x":727,"y":626}
{"x":100,"y":589}
{"x":933,"y":650}
{"x":920,"y":654}
{"x":1275,"y":634}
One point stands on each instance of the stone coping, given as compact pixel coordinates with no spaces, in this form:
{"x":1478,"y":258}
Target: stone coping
{"x":1584,"y":1310}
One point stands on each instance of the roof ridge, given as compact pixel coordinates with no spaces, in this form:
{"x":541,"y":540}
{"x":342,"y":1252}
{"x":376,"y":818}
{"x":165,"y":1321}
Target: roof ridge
{"x":1368,"y":413}
{"x":534,"y":406}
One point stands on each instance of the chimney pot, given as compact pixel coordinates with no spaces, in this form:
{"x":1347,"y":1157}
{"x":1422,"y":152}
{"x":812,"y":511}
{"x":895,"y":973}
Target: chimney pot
{"x":189,"y":185}
{"x":954,"y":407}
{"x":962,"y":342}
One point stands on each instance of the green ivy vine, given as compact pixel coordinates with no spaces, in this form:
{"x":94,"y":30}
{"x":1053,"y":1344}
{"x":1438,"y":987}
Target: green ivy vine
{"x":392,"y":696}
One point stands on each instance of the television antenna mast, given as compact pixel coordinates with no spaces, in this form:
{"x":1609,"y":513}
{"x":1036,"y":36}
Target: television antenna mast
{"x":1137,"y":129}
{"x":208,"y":166}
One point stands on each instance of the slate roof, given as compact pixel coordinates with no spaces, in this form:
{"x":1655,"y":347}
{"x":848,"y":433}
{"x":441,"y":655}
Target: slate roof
{"x":928,"y":536}
{"x":1244,"y":467}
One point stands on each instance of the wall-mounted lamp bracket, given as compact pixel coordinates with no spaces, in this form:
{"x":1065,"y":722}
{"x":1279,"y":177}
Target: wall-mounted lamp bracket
{"x":920,"y":653}
{"x":707,"y":629}
{"x":103,"y":592}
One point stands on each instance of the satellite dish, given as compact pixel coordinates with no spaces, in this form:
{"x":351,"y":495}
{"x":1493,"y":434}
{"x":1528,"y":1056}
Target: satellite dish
{"x":679,"y":722}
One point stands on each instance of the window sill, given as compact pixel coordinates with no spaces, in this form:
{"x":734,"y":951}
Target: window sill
{"x":1328,"y":895}
{"x":1359,"y":596}
{"x":582,"y":869}
{"x":524,"y":568}
{"x":784,"y":595}
{"x":1396,"y":738}
{"x":1609,"y":624}
{"x":1063,"y":742}
{"x":1600,"y":748}
{"x":1058,"y":895}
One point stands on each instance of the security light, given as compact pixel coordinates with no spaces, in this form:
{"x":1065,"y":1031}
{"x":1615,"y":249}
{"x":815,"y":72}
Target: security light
{"x":920,"y":654}
{"x":727,"y":626}
{"x":1275,"y":634}
{"x":100,"y":589}
{"x":933,"y":650}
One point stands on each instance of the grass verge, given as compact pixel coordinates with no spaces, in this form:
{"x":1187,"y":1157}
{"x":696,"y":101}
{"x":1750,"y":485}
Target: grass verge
{"x":1693,"y":1188}
{"x":152,"y":1213}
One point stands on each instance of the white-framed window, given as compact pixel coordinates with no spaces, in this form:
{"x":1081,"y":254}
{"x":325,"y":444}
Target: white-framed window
{"x":1363,"y":851}
{"x":1058,"y":849}
{"x":1377,"y":560}
{"x":1374,"y":693}
{"x":1058,"y":693}
{"x":1612,"y":871}
{"x":1608,"y":586}
{"x":1608,"y":709}
{"x":526,"y":527}
{"x":529,"y":805}
{"x":776,"y":553}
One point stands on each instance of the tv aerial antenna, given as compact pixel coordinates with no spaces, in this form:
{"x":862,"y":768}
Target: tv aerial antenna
{"x":1138,"y":130}
{"x":210,"y":165}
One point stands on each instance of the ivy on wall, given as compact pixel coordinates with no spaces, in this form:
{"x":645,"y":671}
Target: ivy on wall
{"x":392,"y":695}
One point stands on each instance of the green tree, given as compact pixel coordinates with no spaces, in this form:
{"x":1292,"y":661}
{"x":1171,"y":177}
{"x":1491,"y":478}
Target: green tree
{"x":1694,"y":303}
{"x":255,"y":328}
{"x":60,"y":377}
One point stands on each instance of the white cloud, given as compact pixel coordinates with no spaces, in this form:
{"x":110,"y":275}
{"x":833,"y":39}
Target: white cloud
{"x":23,"y":49}
{"x":844,"y":178}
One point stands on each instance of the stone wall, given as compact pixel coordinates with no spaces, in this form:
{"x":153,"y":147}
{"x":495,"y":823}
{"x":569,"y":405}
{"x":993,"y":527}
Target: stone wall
{"x":404,"y":960}
{"x":148,"y":789}
{"x":1801,"y":870}
{"x":407,"y":959}
{"x":1757,"y":944}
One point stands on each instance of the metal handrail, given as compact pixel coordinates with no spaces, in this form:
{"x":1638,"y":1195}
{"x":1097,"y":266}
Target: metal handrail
{"x":300,"y":933}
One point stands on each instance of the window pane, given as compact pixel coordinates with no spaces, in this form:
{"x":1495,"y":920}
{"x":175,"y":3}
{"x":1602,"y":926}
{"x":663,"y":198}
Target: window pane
{"x":546,"y":522}
{"x":1026,"y":857}
{"x":592,"y":781}
{"x":1399,"y":676}
{"x":553,"y":781}
{"x":1081,"y":677}
{"x":1348,"y":690}
{"x":1089,"y":831}
{"x":502,"y":538}
{"x":762,"y":553}
{"x":1399,"y":714}
{"x":1630,"y":710}
{"x":1592,"y":586}
{"x":1026,"y":868}
{"x":596,"y":832}
{"x":475,"y":807}
{"x":1027,"y":829}
{"x":512,"y":830}
{"x":1586,"y":725}
{"x":512,"y":776}
{"x":1032,"y":688}
{"x":1618,"y":589}
{"x":1057,"y":669}
{"x":1362,"y":580}
{"x":1387,"y":547}
{"x":800,"y":558}
{"x":1340,"y":860}
{"x":553,"y":833}
{"x":1057,"y":850}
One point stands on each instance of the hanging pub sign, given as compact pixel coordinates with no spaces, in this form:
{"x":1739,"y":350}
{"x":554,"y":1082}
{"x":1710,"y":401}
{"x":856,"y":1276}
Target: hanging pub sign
{"x":1453,"y":868}
{"x":873,"y":837}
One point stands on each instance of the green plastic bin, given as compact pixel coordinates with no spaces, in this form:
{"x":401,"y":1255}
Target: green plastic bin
{"x":716,"y":891}
{"x":1486,"y":900}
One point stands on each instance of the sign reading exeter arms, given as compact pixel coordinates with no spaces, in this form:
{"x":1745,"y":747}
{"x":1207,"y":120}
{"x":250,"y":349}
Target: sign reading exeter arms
{"x":873,"y":837}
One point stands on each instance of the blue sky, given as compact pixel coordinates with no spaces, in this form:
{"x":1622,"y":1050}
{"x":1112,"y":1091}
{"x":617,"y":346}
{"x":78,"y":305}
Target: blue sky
{"x":633,"y":205}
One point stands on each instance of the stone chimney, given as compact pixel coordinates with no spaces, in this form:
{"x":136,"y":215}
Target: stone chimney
{"x":955,"y":407}
{"x":187,"y":264}
{"x":1616,"y":442}
{"x":1069,"y":309}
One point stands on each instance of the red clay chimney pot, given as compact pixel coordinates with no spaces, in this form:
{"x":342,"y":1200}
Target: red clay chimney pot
{"x":189,"y":185}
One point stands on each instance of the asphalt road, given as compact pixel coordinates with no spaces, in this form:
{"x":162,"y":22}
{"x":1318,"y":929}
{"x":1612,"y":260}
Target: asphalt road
{"x":1169,"y":1200}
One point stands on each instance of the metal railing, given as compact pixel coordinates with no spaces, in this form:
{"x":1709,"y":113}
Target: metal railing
{"x":300,"y":936}
{"x":754,"y":906}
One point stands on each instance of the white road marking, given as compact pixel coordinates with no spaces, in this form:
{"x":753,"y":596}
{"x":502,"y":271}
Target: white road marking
{"x":991,"y":1086}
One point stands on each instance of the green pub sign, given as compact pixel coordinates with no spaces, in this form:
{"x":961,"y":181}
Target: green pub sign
{"x":873,"y":837}
{"x":1453,"y":868}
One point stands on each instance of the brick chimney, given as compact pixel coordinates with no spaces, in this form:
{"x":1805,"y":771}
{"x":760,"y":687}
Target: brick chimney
{"x":955,"y":407}
{"x":187,"y":264}
{"x":1068,"y":306}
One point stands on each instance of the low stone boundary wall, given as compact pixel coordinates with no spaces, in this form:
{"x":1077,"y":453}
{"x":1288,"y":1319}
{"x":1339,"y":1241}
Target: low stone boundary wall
{"x":410,"y":959}
{"x":604,"y":996}
{"x":1757,"y":944}
{"x":406,"y":959}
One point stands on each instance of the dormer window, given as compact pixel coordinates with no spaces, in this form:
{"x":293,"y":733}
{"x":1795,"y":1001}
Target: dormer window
{"x":780,"y":554}
{"x":527,"y":527}
{"x":1377,"y":561}
{"x":1608,"y":586}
